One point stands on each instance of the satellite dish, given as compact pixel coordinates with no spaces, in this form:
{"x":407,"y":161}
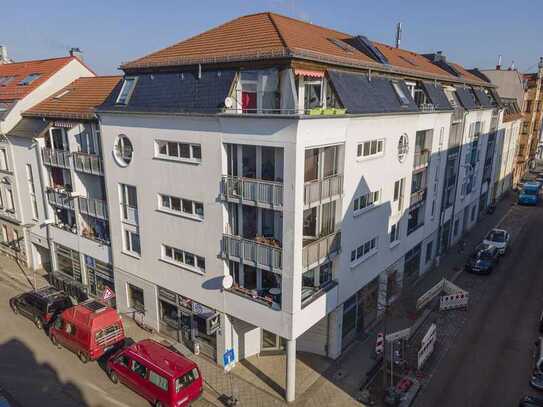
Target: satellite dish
{"x":228,"y":102}
{"x":227,"y":282}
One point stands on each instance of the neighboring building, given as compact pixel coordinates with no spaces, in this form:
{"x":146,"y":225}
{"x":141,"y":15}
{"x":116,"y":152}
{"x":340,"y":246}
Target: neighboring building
{"x":510,"y":85}
{"x":23,"y":85}
{"x":70,"y":178}
{"x":315,"y":168}
{"x":4,"y":59}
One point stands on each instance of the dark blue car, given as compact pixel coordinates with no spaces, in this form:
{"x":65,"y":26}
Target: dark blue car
{"x":483,"y":259}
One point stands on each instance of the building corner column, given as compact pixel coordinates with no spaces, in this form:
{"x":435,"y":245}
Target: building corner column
{"x":291,"y":370}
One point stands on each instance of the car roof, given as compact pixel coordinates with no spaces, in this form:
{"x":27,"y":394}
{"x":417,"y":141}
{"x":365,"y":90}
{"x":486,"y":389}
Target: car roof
{"x":48,"y":293}
{"x":169,"y":362}
{"x":92,"y":313}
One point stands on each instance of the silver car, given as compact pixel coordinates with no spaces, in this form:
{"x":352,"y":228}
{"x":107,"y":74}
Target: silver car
{"x":498,"y":238}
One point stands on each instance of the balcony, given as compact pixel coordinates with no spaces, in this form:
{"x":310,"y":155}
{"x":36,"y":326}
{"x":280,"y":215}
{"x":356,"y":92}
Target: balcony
{"x":88,"y":163}
{"x":427,"y":107}
{"x":250,"y":191}
{"x":254,"y":253}
{"x":93,"y":207}
{"x":326,"y":189}
{"x":316,"y":251}
{"x":422,"y":158}
{"x":60,"y":199}
{"x":417,"y":196}
{"x":56,"y":158}
{"x":260,"y":296}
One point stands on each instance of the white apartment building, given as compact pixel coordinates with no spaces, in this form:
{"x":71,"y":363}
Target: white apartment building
{"x":318,"y":171}
{"x":23,"y":85}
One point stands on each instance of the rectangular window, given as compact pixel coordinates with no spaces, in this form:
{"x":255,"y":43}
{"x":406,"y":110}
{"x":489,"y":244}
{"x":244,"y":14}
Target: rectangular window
{"x":32,"y":191}
{"x":173,"y":150}
{"x":126,"y":91}
{"x":183,"y":258}
{"x":404,"y":100}
{"x":368,"y":200}
{"x":395,"y":233}
{"x":10,"y":203}
{"x":370,"y":148}
{"x":3,"y":160}
{"x":158,"y":380}
{"x":398,"y":192}
{"x":129,"y":203}
{"x":364,"y":251}
{"x":132,"y":242}
{"x":181,"y":206}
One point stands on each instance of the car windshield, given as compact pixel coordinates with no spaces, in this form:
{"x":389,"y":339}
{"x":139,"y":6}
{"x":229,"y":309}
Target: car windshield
{"x":496,"y":236}
{"x":482,"y":252}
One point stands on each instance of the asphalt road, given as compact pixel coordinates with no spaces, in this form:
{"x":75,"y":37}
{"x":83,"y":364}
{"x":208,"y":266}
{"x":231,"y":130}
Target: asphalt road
{"x":490,"y":362}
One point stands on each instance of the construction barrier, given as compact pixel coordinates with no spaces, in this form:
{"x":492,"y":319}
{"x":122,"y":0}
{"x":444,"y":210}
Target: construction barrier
{"x":427,"y":346}
{"x":454,"y":301}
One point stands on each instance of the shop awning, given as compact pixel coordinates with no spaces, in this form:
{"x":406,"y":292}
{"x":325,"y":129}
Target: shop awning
{"x":307,"y":72}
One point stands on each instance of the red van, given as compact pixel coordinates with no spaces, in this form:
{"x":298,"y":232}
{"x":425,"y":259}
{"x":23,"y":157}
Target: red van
{"x":163,"y":377}
{"x":89,"y":330}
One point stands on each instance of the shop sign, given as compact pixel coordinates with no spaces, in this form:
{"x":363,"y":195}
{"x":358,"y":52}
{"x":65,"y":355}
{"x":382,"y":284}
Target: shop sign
{"x":201,"y":310}
{"x":213,"y":323}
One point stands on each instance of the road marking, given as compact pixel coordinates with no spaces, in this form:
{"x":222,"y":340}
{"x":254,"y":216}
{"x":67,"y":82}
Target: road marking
{"x":105,"y":395}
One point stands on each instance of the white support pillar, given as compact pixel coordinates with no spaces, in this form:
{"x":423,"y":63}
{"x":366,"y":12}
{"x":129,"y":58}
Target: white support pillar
{"x":291,"y":370}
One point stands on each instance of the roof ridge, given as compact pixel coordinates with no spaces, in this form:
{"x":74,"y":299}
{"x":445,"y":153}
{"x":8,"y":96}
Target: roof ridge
{"x":38,"y":60}
{"x":279,"y":33}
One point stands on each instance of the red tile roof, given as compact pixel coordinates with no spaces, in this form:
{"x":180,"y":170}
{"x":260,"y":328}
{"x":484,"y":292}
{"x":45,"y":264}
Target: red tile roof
{"x":272,"y":36}
{"x":12,"y":90}
{"x":77,"y":100}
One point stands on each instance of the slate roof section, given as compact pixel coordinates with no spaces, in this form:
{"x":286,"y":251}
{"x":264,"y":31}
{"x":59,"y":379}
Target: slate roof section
{"x":483,"y":99}
{"x":437,"y":96}
{"x":266,"y":36}
{"x":20,"y":70}
{"x":466,"y":97}
{"x":175,"y":93}
{"x":78,"y":100}
{"x":30,"y":128}
{"x":359,"y":95}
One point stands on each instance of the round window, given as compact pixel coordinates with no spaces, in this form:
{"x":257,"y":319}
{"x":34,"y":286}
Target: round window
{"x":123,"y":150}
{"x":403,"y":147}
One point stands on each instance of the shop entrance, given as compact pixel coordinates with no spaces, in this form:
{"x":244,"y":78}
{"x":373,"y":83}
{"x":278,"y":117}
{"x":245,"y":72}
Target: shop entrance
{"x":271,"y":343}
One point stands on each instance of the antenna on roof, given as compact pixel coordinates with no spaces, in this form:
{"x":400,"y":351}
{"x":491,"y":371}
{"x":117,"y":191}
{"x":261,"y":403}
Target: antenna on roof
{"x":398,"y":34}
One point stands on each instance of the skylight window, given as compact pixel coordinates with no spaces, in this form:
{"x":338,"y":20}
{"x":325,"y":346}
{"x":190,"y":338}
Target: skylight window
{"x":404,"y":100}
{"x":29,"y":79}
{"x":62,"y":94}
{"x":126,"y":91}
{"x":4,"y":80}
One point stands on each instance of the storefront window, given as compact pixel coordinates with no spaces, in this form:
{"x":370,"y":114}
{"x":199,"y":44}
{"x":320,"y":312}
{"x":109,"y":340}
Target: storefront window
{"x":135,"y":297}
{"x":68,"y":262}
{"x":99,"y":275}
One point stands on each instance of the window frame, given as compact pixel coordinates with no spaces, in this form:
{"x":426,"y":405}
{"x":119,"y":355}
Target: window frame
{"x":128,"y":242}
{"x":366,"y":146}
{"x":364,"y":251}
{"x":178,"y":257}
{"x":128,"y":79}
{"x":368,"y":205}
{"x":402,"y":97}
{"x":192,"y":158}
{"x":181,"y":212}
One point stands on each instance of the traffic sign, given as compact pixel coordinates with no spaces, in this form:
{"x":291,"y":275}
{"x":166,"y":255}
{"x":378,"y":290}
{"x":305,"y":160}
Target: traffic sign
{"x":108,"y":294}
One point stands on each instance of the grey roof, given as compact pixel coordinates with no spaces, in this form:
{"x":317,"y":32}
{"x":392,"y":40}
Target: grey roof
{"x":360,"y":95}
{"x":437,"y":96}
{"x":509,"y":82}
{"x":30,"y":128}
{"x":466,"y":97}
{"x":483,"y":99}
{"x":175,"y":92}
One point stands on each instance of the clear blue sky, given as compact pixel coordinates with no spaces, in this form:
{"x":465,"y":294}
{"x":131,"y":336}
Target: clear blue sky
{"x":471,"y":32}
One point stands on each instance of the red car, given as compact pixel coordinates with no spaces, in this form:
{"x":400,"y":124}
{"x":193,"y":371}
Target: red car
{"x":163,"y":377}
{"x":89,"y":330}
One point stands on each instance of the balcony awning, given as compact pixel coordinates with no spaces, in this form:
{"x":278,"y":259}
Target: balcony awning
{"x":30,"y":128}
{"x":307,"y":72}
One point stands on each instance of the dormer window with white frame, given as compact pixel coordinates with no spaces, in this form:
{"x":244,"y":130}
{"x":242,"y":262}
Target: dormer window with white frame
{"x":126,"y":90}
{"x":404,"y":100}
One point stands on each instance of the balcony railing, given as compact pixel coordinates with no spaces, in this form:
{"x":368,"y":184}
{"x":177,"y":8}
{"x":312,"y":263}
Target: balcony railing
{"x":422,"y":158}
{"x":321,"y":249}
{"x":56,"y":158}
{"x":427,"y":107}
{"x":129,"y":214}
{"x":323,"y":189}
{"x":252,"y":191}
{"x":60,"y":199}
{"x":88,"y":163}
{"x":252,"y":252}
{"x":260,"y":296}
{"x":93,"y":207}
{"x":417,"y":196}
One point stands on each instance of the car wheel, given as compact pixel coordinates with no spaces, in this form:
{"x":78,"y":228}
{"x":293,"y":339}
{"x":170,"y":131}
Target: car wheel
{"x":83,"y":357}
{"x":38,"y":322}
{"x":113,"y":377}
{"x":158,"y":404}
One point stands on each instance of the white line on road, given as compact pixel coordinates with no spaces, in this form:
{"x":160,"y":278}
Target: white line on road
{"x":105,"y":395}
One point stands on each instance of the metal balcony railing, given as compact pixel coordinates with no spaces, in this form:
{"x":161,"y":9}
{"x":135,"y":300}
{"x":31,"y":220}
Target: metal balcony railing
{"x":56,"y":158}
{"x":417,"y":196}
{"x":93,"y":207}
{"x":60,"y":199}
{"x":129,"y":214}
{"x":427,"y":107}
{"x":422,"y":158}
{"x":88,"y":163}
{"x":252,"y":252}
{"x":324,"y":248}
{"x":322,"y":189}
{"x":252,"y":191}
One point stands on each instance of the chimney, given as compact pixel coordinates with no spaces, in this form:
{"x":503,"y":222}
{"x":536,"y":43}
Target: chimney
{"x":4,"y":55}
{"x":76,"y":52}
{"x":513,"y":66}
{"x":540,"y":65}
{"x":398,"y":35}
{"x":499,"y":66}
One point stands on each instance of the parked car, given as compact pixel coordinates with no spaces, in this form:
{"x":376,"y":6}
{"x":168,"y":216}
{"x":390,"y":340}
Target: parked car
{"x":530,"y":401}
{"x":90,"y":330}
{"x":161,"y":376}
{"x":537,"y":381}
{"x":41,"y":306}
{"x":498,"y":238}
{"x":541,"y":322}
{"x":538,"y":356}
{"x":483,"y":259}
